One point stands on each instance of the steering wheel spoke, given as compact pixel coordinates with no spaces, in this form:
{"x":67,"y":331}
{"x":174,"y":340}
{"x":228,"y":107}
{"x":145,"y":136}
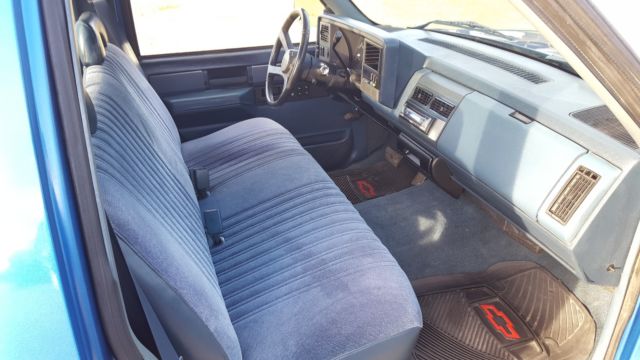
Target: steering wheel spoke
{"x":292,"y":62}
{"x":285,"y":40}
{"x":275,"y":70}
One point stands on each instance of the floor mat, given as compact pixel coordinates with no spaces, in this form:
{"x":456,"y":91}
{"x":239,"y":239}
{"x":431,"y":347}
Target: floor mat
{"x":374,"y":181}
{"x":514,"y":310}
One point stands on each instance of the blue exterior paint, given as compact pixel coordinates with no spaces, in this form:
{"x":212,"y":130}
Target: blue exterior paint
{"x":46,"y":305}
{"x":629,"y":347}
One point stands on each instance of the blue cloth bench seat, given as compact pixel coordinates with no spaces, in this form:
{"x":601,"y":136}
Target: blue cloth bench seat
{"x":299,"y":275}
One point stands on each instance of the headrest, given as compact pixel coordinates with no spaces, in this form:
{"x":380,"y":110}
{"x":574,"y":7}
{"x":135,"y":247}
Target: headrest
{"x":92,"y":39}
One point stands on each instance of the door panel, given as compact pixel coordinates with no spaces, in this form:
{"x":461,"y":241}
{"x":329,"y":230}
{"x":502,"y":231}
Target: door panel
{"x":207,"y":92}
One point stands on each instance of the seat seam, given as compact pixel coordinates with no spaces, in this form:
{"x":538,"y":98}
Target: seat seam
{"x":225,"y":143}
{"x":284,"y":244}
{"x":308,"y":260}
{"x":328,"y":265}
{"x":225,"y":182}
{"x":233,"y":245}
{"x":226,"y":150}
{"x":275,"y":213}
{"x":289,"y":296}
{"x":279,"y":196}
{"x":256,"y":244}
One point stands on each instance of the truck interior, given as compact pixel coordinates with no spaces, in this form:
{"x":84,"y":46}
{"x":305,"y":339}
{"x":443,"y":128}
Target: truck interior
{"x":357,"y":190}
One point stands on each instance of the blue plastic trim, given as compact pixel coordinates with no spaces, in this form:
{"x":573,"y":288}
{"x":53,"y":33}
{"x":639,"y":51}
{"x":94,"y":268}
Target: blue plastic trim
{"x":56,"y":186}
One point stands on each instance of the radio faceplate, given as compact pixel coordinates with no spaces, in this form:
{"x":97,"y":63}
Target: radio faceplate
{"x":421,"y":121}
{"x":428,"y":112}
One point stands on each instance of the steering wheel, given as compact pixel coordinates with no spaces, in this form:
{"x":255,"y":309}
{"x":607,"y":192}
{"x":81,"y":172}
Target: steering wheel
{"x":292,"y":63}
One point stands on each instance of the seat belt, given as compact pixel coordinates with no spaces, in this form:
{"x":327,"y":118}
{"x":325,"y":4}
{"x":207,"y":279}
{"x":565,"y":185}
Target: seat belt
{"x":161,"y":339}
{"x":213,"y":227}
{"x":163,"y":343}
{"x":211,"y":217}
{"x":200,"y":180}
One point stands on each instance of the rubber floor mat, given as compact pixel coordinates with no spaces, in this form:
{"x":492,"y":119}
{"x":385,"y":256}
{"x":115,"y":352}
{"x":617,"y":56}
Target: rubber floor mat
{"x":377,"y":180}
{"x":514,"y":310}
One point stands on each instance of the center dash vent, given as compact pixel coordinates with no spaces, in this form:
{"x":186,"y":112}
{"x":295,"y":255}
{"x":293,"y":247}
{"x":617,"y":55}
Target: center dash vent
{"x":324,"y":33}
{"x":573,"y":194}
{"x":514,"y":69}
{"x":372,"y":56}
{"x":442,"y":107}
{"x":422,"y":96}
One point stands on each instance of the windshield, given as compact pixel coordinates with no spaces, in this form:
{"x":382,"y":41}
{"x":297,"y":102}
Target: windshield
{"x":496,"y":21}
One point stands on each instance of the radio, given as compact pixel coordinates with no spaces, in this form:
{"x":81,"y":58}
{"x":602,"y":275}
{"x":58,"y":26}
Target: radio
{"x":427,"y":113}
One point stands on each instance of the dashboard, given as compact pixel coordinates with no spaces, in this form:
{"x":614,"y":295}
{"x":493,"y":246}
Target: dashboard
{"x":526,"y":138}
{"x":360,"y":56}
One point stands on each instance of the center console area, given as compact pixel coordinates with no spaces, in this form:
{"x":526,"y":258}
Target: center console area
{"x":430,"y":104}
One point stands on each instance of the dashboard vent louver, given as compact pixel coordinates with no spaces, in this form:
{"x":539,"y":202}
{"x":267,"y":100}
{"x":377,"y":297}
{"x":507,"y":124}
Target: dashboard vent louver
{"x":372,"y":56}
{"x":602,"y":119}
{"x":441,"y":107}
{"x":514,"y":69}
{"x":324,"y":33}
{"x":573,"y":194}
{"x":422,"y":96}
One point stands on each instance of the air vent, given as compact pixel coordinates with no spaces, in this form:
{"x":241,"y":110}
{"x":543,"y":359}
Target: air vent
{"x":324,"y":33}
{"x":573,"y":194}
{"x":602,"y":119}
{"x":372,"y":56}
{"x":422,"y":96}
{"x":441,"y":107}
{"x":514,"y":69}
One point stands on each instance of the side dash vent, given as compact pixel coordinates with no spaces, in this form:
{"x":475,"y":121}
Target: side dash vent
{"x":573,"y":194}
{"x":442,"y":107}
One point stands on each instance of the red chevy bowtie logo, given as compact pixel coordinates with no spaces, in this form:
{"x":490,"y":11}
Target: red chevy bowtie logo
{"x":366,"y":188}
{"x":500,"y":322}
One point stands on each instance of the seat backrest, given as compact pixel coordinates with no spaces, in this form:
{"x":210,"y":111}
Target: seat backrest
{"x":146,"y":192}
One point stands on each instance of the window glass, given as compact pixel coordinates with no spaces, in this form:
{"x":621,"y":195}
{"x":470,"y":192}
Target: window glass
{"x":180,"y":26}
{"x":499,"y":14}
{"x":496,"y":20}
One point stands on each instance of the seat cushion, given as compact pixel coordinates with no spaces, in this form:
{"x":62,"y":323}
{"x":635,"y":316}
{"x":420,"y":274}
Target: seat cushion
{"x":301,"y":273}
{"x":241,"y":148}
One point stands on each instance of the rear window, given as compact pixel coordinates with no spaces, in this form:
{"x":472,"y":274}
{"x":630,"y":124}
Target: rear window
{"x":183,"y":26}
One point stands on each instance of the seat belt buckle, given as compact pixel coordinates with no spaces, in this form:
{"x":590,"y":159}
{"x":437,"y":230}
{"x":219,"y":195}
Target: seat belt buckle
{"x":213,"y":227}
{"x":200,"y":180}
